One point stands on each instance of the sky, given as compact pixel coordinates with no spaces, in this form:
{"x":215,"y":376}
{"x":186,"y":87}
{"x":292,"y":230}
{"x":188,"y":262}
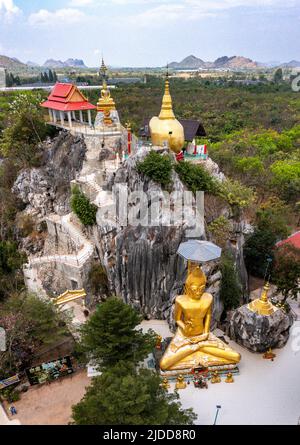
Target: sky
{"x":149,"y":32}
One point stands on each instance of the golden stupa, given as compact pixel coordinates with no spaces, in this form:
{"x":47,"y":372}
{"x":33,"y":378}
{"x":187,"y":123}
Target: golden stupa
{"x":166,"y":129}
{"x":106,"y":104}
{"x":262,"y":305}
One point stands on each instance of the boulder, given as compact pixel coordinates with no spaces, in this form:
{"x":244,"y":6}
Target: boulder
{"x":257,"y":333}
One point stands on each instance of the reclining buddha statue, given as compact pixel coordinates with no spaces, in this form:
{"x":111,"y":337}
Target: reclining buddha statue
{"x":193,"y":344}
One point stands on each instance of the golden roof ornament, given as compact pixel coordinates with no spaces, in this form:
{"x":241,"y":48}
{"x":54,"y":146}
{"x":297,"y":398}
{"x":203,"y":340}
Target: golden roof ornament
{"x":165,"y":129}
{"x":262,"y":305}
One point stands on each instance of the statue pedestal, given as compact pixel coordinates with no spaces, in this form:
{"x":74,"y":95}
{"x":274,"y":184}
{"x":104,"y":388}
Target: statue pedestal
{"x":205,"y":372}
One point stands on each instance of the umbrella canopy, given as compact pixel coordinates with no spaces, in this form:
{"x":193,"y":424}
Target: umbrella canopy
{"x":199,"y":251}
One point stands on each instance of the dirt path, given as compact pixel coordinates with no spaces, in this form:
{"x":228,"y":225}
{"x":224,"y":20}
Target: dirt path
{"x":52,"y":404}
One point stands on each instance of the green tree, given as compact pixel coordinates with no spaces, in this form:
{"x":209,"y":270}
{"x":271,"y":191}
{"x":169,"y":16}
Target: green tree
{"x":286,"y":271}
{"x":286,"y":178}
{"x":50,"y":76}
{"x":26,"y":129}
{"x":230,"y":290}
{"x":157,"y":167}
{"x":110,"y":335}
{"x":29,"y":322}
{"x":259,"y":247}
{"x":11,"y":260}
{"x":195,"y":177}
{"x":275,"y":215}
{"x":123,"y":395}
{"x":278,"y":75}
{"x":82,"y":207}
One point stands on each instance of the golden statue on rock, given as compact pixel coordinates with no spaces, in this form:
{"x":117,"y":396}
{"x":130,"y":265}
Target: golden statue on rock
{"x":193,"y":344}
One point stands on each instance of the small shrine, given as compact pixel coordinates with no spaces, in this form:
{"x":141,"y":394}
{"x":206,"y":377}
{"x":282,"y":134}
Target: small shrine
{"x":107,"y":114}
{"x":259,"y":325}
{"x":68,"y":106}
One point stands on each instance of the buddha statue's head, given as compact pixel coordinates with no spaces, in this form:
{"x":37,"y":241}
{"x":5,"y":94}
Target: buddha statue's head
{"x":195,"y":283}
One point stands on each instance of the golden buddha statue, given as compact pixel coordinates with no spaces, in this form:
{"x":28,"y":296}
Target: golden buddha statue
{"x":229,"y":378}
{"x":106,"y":104}
{"x":166,"y":128}
{"x":165,"y":384}
{"x":215,"y":377}
{"x":193,"y":344}
{"x":180,"y":383}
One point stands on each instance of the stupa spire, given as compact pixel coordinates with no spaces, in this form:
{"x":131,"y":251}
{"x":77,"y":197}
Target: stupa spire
{"x":166,"y":111}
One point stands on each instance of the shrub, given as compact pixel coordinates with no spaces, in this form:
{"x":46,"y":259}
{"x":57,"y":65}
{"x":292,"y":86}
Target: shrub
{"x":195,"y":177}
{"x":82,"y":207}
{"x":98,"y":280}
{"x":220,"y":229}
{"x":230,"y":291}
{"x":237,"y":195}
{"x":11,"y":395}
{"x":157,"y":167}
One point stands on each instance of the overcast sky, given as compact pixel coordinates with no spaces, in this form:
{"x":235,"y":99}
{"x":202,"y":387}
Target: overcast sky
{"x":149,"y":32}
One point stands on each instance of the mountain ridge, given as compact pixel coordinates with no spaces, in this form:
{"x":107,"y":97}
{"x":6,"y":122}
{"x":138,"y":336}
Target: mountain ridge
{"x":233,"y":62}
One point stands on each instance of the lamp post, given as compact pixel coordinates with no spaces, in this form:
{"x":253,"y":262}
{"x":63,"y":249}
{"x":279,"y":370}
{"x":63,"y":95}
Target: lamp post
{"x":217,"y":412}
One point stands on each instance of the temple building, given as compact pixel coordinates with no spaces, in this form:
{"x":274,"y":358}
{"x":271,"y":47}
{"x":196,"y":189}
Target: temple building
{"x":67,"y":103}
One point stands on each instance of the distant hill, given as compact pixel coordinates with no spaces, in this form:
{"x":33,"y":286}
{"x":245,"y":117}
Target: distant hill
{"x":234,"y":62}
{"x":291,"y":64}
{"x":72,"y":63}
{"x":190,"y":62}
{"x":11,"y":63}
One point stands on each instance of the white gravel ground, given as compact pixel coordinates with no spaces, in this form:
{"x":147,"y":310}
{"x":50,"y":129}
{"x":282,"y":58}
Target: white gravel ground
{"x":264,"y":393}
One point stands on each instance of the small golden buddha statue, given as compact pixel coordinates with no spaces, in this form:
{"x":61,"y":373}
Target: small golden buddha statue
{"x":180,"y":384}
{"x":193,"y":344}
{"x":215,"y":377}
{"x":165,"y":383}
{"x":158,"y":342}
{"x":229,"y":378}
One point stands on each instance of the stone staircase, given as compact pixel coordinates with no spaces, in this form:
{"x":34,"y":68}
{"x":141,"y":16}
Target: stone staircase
{"x":78,"y":260}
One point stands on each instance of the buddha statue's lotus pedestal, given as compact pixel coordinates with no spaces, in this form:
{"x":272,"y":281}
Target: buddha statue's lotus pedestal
{"x":193,"y":345}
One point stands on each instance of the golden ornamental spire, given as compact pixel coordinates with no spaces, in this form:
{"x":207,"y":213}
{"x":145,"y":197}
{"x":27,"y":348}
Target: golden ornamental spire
{"x":166,"y":111}
{"x":262,"y":305}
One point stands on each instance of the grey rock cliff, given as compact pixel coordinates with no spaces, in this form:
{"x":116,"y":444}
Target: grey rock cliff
{"x":47,"y":189}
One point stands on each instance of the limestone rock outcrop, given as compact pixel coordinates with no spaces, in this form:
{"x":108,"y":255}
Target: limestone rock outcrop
{"x":46,"y":189}
{"x":256,"y":332}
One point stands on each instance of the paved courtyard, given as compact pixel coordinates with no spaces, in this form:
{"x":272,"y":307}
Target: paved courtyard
{"x":264,"y":393}
{"x":52,"y":404}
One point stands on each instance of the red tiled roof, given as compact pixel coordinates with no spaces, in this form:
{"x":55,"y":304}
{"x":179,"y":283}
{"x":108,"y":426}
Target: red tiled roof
{"x":60,"y":99}
{"x":294,"y":240}
{"x":61,"y":91}
{"x":70,"y":106}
